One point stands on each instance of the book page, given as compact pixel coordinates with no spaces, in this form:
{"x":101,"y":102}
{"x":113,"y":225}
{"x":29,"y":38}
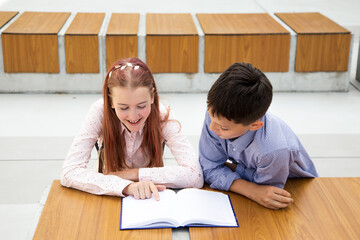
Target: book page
{"x":148,"y":213}
{"x":201,"y":207}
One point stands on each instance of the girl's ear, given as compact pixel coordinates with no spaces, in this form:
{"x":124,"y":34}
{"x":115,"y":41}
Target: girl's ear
{"x":152,"y":95}
{"x":256,"y":125}
{"x":111,"y":102}
{"x":110,"y":99}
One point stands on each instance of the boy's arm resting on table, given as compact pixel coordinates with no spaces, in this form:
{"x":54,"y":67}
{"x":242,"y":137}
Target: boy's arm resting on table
{"x":188,"y":173}
{"x":269,"y":178}
{"x":221,"y":175}
{"x":266,"y":195}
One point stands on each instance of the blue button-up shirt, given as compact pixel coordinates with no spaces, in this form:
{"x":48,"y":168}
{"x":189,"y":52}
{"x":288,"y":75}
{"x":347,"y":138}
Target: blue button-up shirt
{"x":268,"y":156}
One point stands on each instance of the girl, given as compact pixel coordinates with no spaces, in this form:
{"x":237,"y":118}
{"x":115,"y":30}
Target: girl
{"x":132,"y":126}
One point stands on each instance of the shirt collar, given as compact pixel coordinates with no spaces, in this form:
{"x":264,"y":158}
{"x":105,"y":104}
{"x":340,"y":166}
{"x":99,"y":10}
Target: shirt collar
{"x":130,"y":134}
{"x":243,"y":141}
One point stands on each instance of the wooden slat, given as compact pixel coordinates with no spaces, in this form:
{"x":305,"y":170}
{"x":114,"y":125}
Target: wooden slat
{"x":30,"y":43}
{"x":172,"y":43}
{"x":30,"y":53}
{"x":261,"y":23}
{"x":71,"y":214}
{"x":119,"y":47}
{"x":5,"y":17}
{"x":322,"y":45}
{"x":123,"y":24}
{"x":121,"y":37}
{"x":323,"y":208}
{"x":269,"y":53}
{"x":82,"y":43}
{"x":38,"y":23}
{"x":86,"y":24}
{"x":82,"y":53}
{"x":254,"y":38}
{"x":307,"y":23}
{"x":170,"y":24}
{"x":175,"y":54}
{"x":324,"y":52}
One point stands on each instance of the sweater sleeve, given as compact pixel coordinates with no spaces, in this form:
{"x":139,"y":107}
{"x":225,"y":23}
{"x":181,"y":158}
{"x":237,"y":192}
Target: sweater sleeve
{"x":75,"y":173}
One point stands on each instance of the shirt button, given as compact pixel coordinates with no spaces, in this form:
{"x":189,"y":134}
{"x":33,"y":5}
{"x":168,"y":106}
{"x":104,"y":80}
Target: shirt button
{"x":234,"y":149}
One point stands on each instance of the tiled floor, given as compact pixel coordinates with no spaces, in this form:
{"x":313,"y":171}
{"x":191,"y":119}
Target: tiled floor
{"x":36,"y":130}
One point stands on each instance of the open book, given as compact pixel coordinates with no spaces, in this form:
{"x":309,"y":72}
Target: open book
{"x":188,"y":207}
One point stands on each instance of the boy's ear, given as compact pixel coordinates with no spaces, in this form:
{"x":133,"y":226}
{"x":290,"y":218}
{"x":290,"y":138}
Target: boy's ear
{"x":256,"y":125}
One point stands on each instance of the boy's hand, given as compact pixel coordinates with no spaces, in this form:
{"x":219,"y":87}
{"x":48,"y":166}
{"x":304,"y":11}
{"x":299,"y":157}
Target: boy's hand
{"x":267,"y":196}
{"x":143,"y":190}
{"x":272,"y":197}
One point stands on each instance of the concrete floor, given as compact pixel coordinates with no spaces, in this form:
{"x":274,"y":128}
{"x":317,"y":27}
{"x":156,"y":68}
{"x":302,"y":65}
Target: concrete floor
{"x":37,"y":130}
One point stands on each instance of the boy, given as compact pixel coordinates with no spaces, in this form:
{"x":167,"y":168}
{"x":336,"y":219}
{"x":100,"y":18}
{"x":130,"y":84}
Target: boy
{"x":263,"y":150}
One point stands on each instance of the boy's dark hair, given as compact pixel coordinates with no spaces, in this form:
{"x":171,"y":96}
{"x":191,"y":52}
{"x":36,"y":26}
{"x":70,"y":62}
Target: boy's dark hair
{"x":242,"y":93}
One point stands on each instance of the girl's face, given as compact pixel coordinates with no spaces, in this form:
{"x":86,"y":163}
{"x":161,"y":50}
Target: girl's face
{"x":132,"y":106}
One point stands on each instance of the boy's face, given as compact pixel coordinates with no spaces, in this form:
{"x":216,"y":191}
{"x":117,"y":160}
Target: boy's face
{"x":226,"y":129}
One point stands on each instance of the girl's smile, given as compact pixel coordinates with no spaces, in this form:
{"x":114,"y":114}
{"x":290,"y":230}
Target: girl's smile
{"x":132,"y":106}
{"x":134,"y":123}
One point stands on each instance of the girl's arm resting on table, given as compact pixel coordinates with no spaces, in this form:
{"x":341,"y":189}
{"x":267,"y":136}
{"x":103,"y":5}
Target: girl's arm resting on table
{"x":267,"y":196}
{"x":75,"y":173}
{"x":129,"y":174}
{"x":90,"y":181}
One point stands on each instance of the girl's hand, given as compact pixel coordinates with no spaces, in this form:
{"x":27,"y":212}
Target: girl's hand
{"x":272,"y":197}
{"x":143,"y":190}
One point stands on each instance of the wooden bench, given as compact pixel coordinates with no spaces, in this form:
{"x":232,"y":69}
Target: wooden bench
{"x":322,"y":44}
{"x":30,"y":44}
{"x":121,"y":37}
{"x":5,"y":17}
{"x":253,"y":38}
{"x":82,"y":43}
{"x":172,"y":43}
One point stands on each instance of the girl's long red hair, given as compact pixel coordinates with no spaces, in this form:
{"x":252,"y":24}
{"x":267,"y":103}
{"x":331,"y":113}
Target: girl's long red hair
{"x":114,"y":142}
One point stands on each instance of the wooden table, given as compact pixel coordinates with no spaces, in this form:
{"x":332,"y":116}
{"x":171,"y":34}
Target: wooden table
{"x":72,"y":214}
{"x":324,"y":208}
